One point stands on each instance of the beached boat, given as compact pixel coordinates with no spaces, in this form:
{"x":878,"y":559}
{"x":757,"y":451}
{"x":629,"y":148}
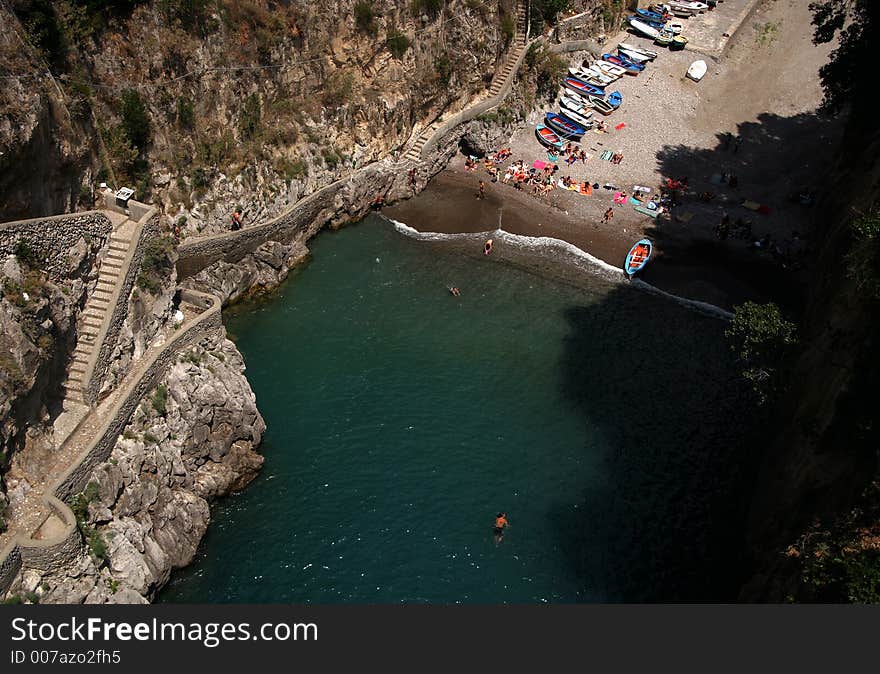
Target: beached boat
{"x":630,"y":67}
{"x":600,"y":75}
{"x":548,"y":137}
{"x":651,"y":55}
{"x":580,"y":118}
{"x":648,"y":15}
{"x":664,"y":37}
{"x":657,"y":25}
{"x":643,"y":28}
{"x":696,"y":70}
{"x":678,"y":43}
{"x":615,"y":98}
{"x":675,"y":27}
{"x":582,"y":87}
{"x":609,"y":68}
{"x":564,"y":127}
{"x":687,"y":5}
{"x":638,"y":257}
{"x":590,"y":77}
{"x":600,"y":105}
{"x":635,"y":57}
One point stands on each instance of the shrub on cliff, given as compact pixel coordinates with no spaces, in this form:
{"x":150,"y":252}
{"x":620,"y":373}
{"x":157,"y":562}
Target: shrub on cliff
{"x":156,"y":265}
{"x":365,"y":17}
{"x":547,"y":69}
{"x":863,"y":260}
{"x":397,"y":44}
{"x":135,"y":119}
{"x":760,"y":337}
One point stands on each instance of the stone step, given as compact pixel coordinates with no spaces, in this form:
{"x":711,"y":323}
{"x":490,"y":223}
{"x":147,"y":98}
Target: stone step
{"x":114,"y":256}
{"x":111,"y":265}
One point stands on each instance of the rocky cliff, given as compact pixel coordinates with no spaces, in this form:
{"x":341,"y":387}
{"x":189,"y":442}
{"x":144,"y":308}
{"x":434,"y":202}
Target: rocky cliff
{"x":146,"y":508}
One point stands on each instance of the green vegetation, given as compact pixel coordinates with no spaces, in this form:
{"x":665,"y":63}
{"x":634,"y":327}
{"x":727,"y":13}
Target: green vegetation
{"x":156,"y":264}
{"x":443,"y":68}
{"x":863,"y":260}
{"x":508,"y":28}
{"x":430,"y":7}
{"x":25,"y":254}
{"x":291,"y":168}
{"x":397,"y":43}
{"x":44,"y":29}
{"x":191,"y":14}
{"x":365,"y":17}
{"x":760,"y":337}
{"x":545,"y":13}
{"x":80,"y":507}
{"x":547,"y":68}
{"x":160,"y":400}
{"x":765,"y":33}
{"x":186,"y":114}
{"x":135,"y":120}
{"x":251,"y":115}
{"x":331,"y":157}
{"x":338,"y":89}
{"x":150,"y":438}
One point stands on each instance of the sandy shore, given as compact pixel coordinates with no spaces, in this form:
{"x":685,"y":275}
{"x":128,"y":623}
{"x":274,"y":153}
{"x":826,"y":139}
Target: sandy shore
{"x":675,"y":127}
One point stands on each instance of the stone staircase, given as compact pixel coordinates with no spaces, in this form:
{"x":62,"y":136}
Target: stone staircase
{"x":414,"y":153}
{"x":98,"y":309}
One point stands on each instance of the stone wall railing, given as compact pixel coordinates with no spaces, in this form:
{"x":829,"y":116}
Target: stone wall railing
{"x":55,"y":553}
{"x":147,"y":227}
{"x":52,"y":237}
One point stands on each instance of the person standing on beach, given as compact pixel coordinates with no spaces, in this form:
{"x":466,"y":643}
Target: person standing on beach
{"x":482,"y":193}
{"x":608,"y":215}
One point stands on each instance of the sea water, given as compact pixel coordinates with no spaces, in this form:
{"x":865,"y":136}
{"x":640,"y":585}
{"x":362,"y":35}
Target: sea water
{"x":602,"y":419}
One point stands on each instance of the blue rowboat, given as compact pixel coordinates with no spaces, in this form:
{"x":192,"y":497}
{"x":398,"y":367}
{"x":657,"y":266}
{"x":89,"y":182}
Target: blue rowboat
{"x":615,"y":98}
{"x":648,"y":15}
{"x":638,"y":257}
{"x":630,"y":67}
{"x":565,"y":127}
{"x":548,"y":137}
{"x":651,"y":22}
{"x":582,"y":87}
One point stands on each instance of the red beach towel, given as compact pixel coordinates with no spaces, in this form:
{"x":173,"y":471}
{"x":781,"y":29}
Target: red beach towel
{"x":620,"y":126}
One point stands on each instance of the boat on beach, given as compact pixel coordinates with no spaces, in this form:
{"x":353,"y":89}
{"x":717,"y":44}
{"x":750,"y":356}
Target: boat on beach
{"x":600,"y":105}
{"x":664,"y":37}
{"x":600,"y":75}
{"x":649,"y":15}
{"x":564,"y":127}
{"x":643,"y":28}
{"x":609,"y":68}
{"x":582,"y":87}
{"x":581,"y":118}
{"x":638,"y":257}
{"x":687,"y":6}
{"x":590,"y":77}
{"x":696,"y":70}
{"x":678,"y":43}
{"x":650,"y":55}
{"x":615,"y":98}
{"x":635,"y":57}
{"x":653,"y":24}
{"x":630,"y":67}
{"x":548,"y":137}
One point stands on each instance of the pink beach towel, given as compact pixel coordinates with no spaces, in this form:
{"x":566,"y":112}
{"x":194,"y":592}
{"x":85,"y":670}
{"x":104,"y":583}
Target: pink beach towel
{"x":619,"y":198}
{"x":539,"y":164}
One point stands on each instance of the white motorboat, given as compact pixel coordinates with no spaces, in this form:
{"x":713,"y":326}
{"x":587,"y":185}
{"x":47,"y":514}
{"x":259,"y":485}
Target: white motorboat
{"x":696,"y":70}
{"x":609,"y":68}
{"x":605,"y":78}
{"x":582,"y":118}
{"x":674,"y":27}
{"x":643,"y":28}
{"x":633,"y":56}
{"x":638,"y":50}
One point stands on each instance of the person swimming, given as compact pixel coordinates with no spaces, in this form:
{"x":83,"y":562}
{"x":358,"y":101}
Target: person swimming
{"x":455,"y":291}
{"x":501,"y":523}
{"x":487,"y":247}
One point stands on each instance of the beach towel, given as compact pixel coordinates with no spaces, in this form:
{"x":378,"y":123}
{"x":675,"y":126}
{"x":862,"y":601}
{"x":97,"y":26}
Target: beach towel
{"x":634,"y":201}
{"x":606,"y":156}
{"x":646,"y":211}
{"x":620,"y":126}
{"x":641,"y":188}
{"x":539,"y":164}
{"x":552,"y":158}
{"x":619,"y":198}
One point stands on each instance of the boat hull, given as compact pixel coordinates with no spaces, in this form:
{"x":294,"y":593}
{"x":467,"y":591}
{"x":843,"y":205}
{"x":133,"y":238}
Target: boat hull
{"x":582,"y":87}
{"x":643,"y":28}
{"x":638,"y":257}
{"x":565,"y":128}
{"x":548,"y":137}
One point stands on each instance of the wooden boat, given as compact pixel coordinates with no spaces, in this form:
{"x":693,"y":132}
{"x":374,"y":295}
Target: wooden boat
{"x":615,"y":98}
{"x":651,"y":55}
{"x":590,"y":77}
{"x":600,"y":75}
{"x":582,"y":87}
{"x":675,"y":27}
{"x":648,"y":15}
{"x":643,"y":28}
{"x":565,"y":128}
{"x":657,"y":25}
{"x":638,"y":257}
{"x":678,"y":43}
{"x":696,"y":70}
{"x":687,"y":5}
{"x":630,"y":67}
{"x":635,"y":57}
{"x":609,"y":68}
{"x":580,"y":118}
{"x":600,"y":105}
{"x":664,"y":38}
{"x":548,"y":137}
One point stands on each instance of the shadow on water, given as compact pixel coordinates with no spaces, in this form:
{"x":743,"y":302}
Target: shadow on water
{"x":665,"y":522}
{"x":774,"y":160}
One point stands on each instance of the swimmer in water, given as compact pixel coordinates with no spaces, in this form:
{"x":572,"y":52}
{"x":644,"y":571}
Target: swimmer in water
{"x":487,"y":247}
{"x":455,"y":291}
{"x":501,"y":524}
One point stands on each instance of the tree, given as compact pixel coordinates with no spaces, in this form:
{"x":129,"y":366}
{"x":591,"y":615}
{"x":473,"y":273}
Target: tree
{"x":135,"y":119}
{"x":848,"y":74}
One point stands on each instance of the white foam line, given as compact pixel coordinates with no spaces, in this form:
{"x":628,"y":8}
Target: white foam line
{"x":607,"y":271}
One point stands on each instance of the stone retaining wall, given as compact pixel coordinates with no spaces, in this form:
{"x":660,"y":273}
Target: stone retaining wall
{"x":147,"y":228}
{"x":51,"y":238}
{"x":55,"y":554}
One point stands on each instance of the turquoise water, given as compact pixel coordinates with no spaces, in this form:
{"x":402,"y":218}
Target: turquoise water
{"x":400,"y":419}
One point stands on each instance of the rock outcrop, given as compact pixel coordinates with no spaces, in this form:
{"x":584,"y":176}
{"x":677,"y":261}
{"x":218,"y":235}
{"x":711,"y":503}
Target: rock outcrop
{"x":147,"y":507}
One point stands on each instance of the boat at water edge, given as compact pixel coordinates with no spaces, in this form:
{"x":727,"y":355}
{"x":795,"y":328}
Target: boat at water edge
{"x":638,"y":257}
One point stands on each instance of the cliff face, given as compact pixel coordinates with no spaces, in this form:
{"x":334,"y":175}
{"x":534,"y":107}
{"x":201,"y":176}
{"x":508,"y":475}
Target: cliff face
{"x":248,"y":104}
{"x":147,"y":507}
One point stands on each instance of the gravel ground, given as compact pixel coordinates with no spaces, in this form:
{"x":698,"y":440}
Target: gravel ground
{"x":763,"y":89}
